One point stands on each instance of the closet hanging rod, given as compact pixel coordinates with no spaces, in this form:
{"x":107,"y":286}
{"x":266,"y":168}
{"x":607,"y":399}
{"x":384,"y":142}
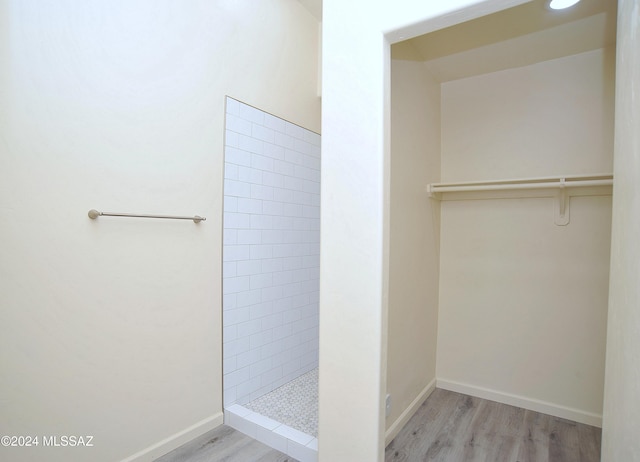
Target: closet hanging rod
{"x":533,"y":183}
{"x":93,"y":214}
{"x":494,"y":187}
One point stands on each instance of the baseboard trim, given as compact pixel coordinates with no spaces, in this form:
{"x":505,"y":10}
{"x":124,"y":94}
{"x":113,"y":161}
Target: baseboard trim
{"x":402,"y":420}
{"x":177,"y":439}
{"x":544,"y":407}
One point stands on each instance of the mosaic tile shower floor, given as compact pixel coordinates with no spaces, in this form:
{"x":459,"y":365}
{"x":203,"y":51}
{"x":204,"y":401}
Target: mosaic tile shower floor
{"x":294,"y":404}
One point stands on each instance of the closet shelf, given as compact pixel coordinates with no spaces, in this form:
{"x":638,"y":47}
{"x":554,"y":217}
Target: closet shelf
{"x":530,"y":187}
{"x":557,"y":182}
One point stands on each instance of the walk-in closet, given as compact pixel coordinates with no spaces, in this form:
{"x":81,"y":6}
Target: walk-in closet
{"x":501,"y":186}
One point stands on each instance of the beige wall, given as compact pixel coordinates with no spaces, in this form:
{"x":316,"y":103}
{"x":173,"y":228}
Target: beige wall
{"x":414,"y":246}
{"x":523,"y":302}
{"x":622,"y":385}
{"x":550,"y":118}
{"x":112,"y":328}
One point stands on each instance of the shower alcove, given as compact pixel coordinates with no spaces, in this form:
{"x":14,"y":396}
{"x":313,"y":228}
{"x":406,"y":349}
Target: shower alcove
{"x":271,"y":247}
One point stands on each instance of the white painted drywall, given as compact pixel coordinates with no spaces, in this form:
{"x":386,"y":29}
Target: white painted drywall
{"x":415,"y":239}
{"x":112,"y":328}
{"x":351,"y":236}
{"x":622,"y":385}
{"x":523,"y":302}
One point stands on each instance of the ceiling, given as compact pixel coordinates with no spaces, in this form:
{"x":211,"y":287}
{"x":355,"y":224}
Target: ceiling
{"x":519,"y":36}
{"x":314,"y":7}
{"x":515,"y":37}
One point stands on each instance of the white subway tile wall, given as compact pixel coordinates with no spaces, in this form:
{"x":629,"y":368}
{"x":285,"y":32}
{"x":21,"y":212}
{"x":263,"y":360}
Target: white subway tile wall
{"x":271,"y":252}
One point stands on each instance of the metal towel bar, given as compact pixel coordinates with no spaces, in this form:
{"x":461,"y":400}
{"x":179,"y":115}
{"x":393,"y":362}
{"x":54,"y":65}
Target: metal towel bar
{"x":93,"y":214}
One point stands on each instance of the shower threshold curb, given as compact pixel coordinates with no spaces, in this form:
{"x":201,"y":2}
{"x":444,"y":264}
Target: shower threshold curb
{"x":274,"y":434}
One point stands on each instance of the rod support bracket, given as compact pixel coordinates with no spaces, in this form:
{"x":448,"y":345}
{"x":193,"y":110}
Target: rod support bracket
{"x":563,"y":201}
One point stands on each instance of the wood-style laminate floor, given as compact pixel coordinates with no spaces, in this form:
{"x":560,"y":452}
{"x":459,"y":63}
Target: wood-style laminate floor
{"x":451,"y":427}
{"x":224,"y":444}
{"x":448,"y":427}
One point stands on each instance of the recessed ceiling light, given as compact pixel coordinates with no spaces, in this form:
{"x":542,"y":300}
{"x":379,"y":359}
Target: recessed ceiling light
{"x":562,"y":4}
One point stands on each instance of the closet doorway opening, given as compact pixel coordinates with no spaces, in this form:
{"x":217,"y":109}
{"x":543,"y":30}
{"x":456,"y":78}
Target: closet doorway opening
{"x":271,"y":273}
{"x":505,"y":300}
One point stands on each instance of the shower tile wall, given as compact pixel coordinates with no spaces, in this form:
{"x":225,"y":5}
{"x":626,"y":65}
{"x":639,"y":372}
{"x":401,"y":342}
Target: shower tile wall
{"x":271,"y":252}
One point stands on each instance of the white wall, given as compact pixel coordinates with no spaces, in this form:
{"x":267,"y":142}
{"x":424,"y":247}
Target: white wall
{"x":112,"y":327}
{"x":415,"y":245}
{"x":622,"y":393}
{"x":523,"y":302}
{"x":271,"y":252}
